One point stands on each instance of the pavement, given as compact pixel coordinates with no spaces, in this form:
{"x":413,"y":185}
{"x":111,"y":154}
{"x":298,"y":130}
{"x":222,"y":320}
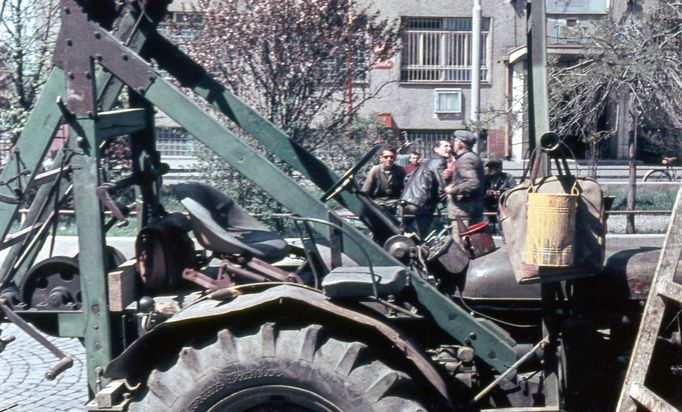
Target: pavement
{"x":23,"y":387}
{"x":23,"y":363}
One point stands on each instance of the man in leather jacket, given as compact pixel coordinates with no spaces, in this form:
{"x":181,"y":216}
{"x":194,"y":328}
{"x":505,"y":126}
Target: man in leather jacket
{"x":466,"y":190}
{"x":424,"y":189}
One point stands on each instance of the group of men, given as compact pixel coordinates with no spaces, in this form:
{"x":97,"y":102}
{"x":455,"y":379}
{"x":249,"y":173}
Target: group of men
{"x":453,"y":172}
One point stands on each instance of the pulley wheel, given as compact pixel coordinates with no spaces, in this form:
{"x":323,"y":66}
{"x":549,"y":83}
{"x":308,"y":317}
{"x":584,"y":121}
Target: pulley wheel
{"x":53,"y":284}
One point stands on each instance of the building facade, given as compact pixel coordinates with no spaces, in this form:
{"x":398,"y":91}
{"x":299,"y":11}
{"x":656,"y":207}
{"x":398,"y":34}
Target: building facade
{"x":424,"y":91}
{"x":426,"y":88}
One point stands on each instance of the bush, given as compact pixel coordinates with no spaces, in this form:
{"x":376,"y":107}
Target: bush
{"x":659,"y":200}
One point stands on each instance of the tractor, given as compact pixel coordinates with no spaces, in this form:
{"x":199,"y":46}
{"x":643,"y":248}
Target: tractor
{"x":217,"y":312}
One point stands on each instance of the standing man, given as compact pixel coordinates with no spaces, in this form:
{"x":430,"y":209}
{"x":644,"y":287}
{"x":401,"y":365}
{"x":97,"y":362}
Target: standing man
{"x":385,"y":181}
{"x":425,"y":188}
{"x":496,"y":183}
{"x":466,"y":190}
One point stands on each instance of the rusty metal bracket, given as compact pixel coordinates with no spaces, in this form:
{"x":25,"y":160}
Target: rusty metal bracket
{"x":273,"y":272}
{"x":108,"y":202}
{"x":85,"y":44}
{"x":223,"y":280}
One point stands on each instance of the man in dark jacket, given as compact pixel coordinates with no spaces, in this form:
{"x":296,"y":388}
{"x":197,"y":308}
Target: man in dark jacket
{"x":496,"y":183}
{"x":467,"y":188}
{"x":385,"y":181}
{"x":424,"y":189}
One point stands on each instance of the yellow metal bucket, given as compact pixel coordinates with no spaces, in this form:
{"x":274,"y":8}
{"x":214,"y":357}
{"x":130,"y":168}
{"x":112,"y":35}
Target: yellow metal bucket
{"x":550,"y":235}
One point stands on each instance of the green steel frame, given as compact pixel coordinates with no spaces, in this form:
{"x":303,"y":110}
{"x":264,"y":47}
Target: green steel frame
{"x":117,"y":57}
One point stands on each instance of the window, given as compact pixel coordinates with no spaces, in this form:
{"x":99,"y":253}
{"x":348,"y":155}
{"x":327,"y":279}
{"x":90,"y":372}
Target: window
{"x":439,"y":50}
{"x":181,"y":25}
{"x":173,"y":141}
{"x":577,"y":6}
{"x":448,"y":100}
{"x":567,"y":31}
{"x":424,"y":140}
{"x":336,"y":69}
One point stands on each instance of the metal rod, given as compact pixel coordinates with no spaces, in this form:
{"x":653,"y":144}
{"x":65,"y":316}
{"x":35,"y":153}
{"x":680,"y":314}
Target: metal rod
{"x":506,"y":373}
{"x":64,"y":362}
{"x":369,"y":261}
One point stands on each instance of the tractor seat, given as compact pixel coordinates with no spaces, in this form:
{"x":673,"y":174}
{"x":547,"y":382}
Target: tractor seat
{"x":224,"y":228}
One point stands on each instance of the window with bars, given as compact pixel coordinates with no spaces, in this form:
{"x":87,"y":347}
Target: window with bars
{"x":439,"y":50}
{"x":424,"y":140}
{"x":174,"y":142}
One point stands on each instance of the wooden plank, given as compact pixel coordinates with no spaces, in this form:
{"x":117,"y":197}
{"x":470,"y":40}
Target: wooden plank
{"x":649,"y":400}
{"x":671,"y":290}
{"x":640,"y":359}
{"x":122,"y":286}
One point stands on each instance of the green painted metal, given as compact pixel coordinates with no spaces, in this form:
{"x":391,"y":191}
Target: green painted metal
{"x":93,"y":323}
{"x":71,"y":324}
{"x":269,"y":177}
{"x":192,"y":75}
{"x":119,"y":122}
{"x":33,"y":142}
{"x":98,"y":333}
{"x":538,"y":98}
{"x":493,"y":346}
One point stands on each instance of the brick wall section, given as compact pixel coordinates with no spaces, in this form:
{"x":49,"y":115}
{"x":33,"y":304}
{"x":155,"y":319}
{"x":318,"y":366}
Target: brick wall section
{"x":496,"y":139}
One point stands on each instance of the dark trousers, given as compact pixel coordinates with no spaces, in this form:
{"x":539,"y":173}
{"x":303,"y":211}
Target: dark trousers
{"x":418,"y":219}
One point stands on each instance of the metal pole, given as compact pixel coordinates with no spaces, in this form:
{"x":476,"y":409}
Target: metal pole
{"x":475,"y":62}
{"x":349,"y":58}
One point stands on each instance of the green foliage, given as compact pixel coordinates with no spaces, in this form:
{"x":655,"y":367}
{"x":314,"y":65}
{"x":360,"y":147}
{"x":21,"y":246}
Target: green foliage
{"x":27,"y":38}
{"x":653,"y":200}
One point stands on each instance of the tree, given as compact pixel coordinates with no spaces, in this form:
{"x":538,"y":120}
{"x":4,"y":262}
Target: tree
{"x":294,"y":62}
{"x":28,"y":30}
{"x":630,"y":70}
{"x":636,"y":59}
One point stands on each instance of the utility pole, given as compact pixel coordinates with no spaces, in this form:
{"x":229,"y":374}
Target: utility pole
{"x":475,"y":65}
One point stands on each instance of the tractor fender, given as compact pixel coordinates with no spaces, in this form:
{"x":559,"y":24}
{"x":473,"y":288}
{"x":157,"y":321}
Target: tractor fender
{"x":139,"y":357}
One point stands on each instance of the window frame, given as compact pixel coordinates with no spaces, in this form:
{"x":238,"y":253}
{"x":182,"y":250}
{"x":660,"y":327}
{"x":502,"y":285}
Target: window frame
{"x":576,"y":10}
{"x":439,"y":92}
{"x":426,"y":49}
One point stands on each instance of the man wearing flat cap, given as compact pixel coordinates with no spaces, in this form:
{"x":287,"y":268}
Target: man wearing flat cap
{"x":496,"y":183}
{"x":466,"y":187}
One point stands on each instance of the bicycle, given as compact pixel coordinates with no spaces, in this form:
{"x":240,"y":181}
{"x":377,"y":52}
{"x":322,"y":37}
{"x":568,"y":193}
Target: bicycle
{"x":667,"y":174}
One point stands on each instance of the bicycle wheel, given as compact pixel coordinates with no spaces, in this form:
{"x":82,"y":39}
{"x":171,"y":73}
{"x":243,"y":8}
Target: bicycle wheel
{"x":657,"y":175}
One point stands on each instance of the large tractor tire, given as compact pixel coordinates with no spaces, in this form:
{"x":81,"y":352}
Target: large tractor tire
{"x":286,"y":370}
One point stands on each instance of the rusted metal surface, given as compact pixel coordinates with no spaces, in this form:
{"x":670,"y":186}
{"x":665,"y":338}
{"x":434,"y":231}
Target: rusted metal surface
{"x":80,"y":40}
{"x":284,"y":295}
{"x":627,"y":269}
{"x":207,"y":282}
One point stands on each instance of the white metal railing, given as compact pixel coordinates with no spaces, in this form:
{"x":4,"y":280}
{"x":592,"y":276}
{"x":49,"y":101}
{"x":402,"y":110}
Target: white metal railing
{"x":441,"y":56}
